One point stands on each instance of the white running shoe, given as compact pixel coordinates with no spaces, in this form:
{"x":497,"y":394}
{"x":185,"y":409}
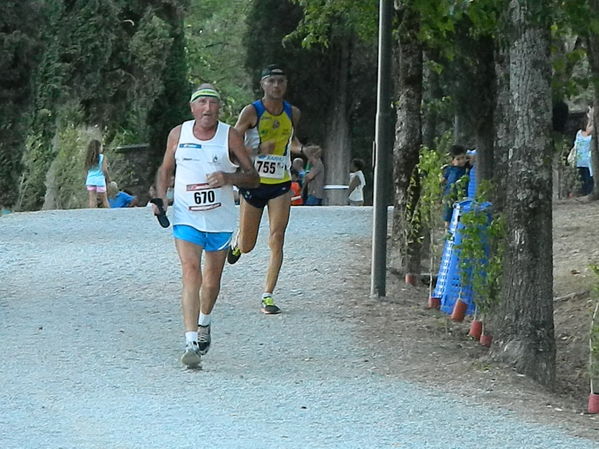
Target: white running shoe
{"x":191,"y":357}
{"x":203,"y":339}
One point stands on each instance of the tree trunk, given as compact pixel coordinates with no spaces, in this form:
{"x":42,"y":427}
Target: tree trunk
{"x":337,"y":147}
{"x":406,"y":241}
{"x":593,"y":57}
{"x":473,"y":71}
{"x":502,"y":127}
{"x":433,"y":95}
{"x":526,"y":336}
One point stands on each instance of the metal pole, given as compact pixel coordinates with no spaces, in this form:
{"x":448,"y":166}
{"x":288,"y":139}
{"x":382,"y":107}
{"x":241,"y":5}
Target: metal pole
{"x":383,"y":149}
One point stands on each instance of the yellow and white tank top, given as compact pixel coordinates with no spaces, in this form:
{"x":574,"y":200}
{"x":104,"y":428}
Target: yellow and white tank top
{"x":273,"y":168}
{"x":196,"y":204}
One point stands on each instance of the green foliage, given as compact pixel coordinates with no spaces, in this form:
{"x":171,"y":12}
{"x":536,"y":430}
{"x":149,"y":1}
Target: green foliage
{"x":214,"y":32}
{"x":430,"y":170}
{"x":481,"y":251}
{"x":456,"y":191}
{"x":66,"y":177}
{"x":78,"y":43}
{"x":325,"y":21}
{"x":19,"y":56}
{"x":431,"y":188}
{"x":441,"y":20}
{"x":120,"y":65}
{"x":429,"y":204}
{"x":147,"y":47}
{"x":171,"y":107}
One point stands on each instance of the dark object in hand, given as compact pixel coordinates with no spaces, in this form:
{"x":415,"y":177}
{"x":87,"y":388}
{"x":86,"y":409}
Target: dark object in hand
{"x":161,"y":216}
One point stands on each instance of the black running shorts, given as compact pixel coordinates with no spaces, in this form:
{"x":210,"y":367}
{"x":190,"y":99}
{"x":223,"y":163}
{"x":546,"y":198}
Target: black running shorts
{"x":260,"y":196}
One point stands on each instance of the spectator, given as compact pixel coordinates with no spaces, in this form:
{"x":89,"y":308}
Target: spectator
{"x":298,"y":166}
{"x":453,"y":189}
{"x":356,"y":183}
{"x":296,"y":189}
{"x":151,"y":194}
{"x":96,"y":169}
{"x":118,"y":198}
{"x":582,"y":155}
{"x":314,"y":181}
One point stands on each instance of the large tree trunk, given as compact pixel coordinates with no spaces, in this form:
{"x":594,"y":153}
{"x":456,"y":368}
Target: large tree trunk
{"x":593,"y":57}
{"x":406,"y":242}
{"x":526,"y":336}
{"x":433,"y":95}
{"x":337,"y":149}
{"x":502,"y":127}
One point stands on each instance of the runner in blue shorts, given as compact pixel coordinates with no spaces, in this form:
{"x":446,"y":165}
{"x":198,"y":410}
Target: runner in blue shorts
{"x":210,"y":157}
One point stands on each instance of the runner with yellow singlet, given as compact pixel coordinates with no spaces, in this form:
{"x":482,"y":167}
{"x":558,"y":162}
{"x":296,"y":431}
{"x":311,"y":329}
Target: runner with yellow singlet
{"x":269,"y":127}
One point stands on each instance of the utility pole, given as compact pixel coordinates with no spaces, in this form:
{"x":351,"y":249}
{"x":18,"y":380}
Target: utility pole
{"x":383,"y":150}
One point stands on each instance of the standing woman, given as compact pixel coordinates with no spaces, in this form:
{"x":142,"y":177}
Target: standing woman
{"x":96,"y":169}
{"x":582,"y":145}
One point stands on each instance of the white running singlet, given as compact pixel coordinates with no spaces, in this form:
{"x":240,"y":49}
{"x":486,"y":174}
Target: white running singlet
{"x":196,"y":204}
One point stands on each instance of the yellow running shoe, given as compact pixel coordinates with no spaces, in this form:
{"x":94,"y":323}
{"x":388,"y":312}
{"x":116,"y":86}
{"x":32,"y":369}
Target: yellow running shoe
{"x":233,"y":254}
{"x":268,"y":306}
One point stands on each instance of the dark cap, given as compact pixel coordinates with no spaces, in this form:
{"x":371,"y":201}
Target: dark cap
{"x":272,"y":69}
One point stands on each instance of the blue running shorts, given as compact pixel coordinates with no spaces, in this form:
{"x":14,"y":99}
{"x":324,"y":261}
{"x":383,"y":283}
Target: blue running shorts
{"x":210,"y":241}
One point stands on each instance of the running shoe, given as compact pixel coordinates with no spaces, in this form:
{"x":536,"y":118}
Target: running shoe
{"x":203,"y":339}
{"x":191,"y":357}
{"x":268,"y":306}
{"x":233,"y":254}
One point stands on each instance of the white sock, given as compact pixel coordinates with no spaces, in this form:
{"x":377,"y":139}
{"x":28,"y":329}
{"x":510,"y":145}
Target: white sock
{"x":191,"y":337}
{"x":266,"y":295}
{"x":204,"y":319}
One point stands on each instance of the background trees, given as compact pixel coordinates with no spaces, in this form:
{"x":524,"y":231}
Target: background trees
{"x":19,"y":56}
{"x":111,"y":68}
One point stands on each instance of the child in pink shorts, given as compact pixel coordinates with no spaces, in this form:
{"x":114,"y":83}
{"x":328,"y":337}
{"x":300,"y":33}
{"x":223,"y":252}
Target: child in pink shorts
{"x":97,"y":174}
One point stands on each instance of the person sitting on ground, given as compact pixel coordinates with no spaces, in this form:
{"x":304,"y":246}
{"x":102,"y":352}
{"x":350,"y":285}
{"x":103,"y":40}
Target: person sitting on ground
{"x":453,"y":189}
{"x":118,"y":198}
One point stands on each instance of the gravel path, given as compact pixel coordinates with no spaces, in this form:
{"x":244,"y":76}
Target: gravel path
{"x":91,"y":338}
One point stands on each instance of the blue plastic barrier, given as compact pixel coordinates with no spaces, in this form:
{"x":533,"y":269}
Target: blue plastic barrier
{"x":450,"y":286}
{"x":472,"y":182}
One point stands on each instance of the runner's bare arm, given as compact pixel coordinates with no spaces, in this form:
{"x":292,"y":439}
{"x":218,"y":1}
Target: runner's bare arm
{"x":355,"y":182}
{"x":247,"y":119}
{"x":167,"y":168}
{"x":246,"y":175}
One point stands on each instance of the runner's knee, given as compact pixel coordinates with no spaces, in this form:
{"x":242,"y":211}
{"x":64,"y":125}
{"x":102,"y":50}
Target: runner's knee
{"x":276,"y":240}
{"x":191,"y":271}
